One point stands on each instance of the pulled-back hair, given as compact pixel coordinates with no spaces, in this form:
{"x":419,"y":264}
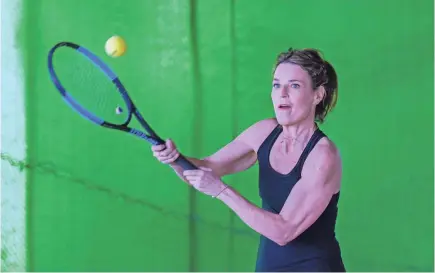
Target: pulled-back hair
{"x":321,"y":73}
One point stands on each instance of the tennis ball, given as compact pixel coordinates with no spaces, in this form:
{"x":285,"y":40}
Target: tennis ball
{"x":115,"y":46}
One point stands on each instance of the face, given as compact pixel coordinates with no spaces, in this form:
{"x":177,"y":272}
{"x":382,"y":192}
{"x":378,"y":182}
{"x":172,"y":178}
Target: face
{"x":293,"y":97}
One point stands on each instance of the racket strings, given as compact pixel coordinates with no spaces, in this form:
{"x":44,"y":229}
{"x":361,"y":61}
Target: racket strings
{"x":89,"y":86}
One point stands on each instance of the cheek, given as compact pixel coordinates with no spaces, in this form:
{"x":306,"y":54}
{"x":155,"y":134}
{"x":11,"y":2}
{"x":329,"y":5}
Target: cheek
{"x":274,"y":97}
{"x":303,"y":102}
{"x":301,"y":99}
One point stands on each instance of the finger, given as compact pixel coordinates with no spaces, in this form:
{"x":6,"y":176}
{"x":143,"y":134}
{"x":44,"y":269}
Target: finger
{"x":191,"y":178}
{"x":174,"y":155}
{"x":170,"y":147}
{"x":170,"y":143}
{"x":158,"y":155}
{"x":192,"y":172}
{"x":194,"y":184}
{"x":170,"y":159}
{"x":158,"y":148}
{"x":166,"y":152}
{"x":205,"y":169}
{"x":167,"y":161}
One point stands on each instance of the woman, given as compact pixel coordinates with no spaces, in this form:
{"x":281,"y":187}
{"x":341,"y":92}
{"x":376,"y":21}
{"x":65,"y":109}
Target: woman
{"x":299,"y":169}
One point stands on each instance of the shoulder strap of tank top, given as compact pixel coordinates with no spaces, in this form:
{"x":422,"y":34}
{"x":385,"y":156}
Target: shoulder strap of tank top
{"x":317,"y":135}
{"x":265,"y":146}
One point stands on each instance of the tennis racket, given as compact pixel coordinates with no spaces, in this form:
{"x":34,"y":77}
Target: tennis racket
{"x":94,"y":90}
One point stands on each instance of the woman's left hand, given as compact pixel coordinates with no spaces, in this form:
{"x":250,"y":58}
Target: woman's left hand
{"x":205,"y":181}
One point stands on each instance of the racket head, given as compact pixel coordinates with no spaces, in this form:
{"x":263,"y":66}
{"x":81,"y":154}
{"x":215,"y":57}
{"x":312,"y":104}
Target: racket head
{"x":81,"y":79}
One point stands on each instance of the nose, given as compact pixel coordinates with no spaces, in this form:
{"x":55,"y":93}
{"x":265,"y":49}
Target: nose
{"x":284,"y":91}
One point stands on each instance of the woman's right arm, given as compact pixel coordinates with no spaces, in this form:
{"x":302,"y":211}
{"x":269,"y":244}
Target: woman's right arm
{"x":238,"y":155}
{"x":232,"y":158}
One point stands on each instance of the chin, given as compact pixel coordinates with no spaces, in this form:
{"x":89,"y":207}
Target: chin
{"x":285,"y":121}
{"x":289,"y":120}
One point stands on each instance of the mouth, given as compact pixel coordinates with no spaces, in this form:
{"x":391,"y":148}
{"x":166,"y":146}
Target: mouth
{"x":284,"y":106}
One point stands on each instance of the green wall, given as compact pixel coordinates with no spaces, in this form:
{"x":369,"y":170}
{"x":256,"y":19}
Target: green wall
{"x":199,"y":72}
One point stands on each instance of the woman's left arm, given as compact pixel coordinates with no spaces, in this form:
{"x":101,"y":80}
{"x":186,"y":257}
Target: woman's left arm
{"x":306,"y":202}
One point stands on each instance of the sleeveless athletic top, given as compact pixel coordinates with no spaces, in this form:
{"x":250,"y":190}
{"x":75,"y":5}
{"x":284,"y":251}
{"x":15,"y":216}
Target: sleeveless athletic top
{"x":316,"y":249}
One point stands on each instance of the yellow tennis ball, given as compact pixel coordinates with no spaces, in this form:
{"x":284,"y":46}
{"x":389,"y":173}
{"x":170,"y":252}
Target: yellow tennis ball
{"x":115,"y":46}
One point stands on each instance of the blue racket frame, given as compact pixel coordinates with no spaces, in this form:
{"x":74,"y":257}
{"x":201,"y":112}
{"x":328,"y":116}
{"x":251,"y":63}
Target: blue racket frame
{"x":151,"y":137}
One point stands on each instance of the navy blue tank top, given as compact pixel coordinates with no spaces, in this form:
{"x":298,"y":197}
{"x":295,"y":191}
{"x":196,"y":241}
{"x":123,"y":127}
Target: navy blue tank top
{"x":316,"y":249}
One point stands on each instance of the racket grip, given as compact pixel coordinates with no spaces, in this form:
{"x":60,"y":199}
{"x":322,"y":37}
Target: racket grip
{"x":185,"y":164}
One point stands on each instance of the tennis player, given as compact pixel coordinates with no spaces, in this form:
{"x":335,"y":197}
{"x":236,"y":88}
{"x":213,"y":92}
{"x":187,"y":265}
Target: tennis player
{"x":299,"y":169}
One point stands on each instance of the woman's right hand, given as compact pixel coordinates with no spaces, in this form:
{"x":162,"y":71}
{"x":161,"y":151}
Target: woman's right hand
{"x":165,"y":153}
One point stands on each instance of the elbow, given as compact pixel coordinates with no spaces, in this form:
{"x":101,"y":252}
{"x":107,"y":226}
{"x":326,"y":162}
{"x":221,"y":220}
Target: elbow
{"x":284,"y":234}
{"x":280,"y":242}
{"x":283,"y":240}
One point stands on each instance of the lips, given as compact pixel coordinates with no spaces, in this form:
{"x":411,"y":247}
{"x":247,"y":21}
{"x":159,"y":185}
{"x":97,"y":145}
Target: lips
{"x":284,"y":106}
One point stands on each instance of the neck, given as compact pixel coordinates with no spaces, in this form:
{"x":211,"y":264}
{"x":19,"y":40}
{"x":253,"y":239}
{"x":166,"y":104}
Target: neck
{"x":299,"y":131}
{"x":296,"y":136}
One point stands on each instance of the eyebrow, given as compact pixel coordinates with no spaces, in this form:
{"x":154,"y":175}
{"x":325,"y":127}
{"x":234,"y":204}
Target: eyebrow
{"x":275,"y":79}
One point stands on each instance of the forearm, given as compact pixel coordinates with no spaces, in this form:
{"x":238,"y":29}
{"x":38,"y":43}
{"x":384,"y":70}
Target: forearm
{"x":268,"y":224}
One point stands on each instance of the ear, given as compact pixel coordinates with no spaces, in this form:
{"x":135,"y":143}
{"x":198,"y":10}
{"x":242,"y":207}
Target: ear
{"x":319,"y":94}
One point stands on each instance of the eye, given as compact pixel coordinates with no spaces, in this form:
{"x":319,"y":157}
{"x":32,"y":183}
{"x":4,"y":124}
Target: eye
{"x":295,"y":85}
{"x":276,"y":85}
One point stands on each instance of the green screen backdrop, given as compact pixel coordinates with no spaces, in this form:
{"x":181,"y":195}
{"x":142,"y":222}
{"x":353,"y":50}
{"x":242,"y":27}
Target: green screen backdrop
{"x":200,"y":71}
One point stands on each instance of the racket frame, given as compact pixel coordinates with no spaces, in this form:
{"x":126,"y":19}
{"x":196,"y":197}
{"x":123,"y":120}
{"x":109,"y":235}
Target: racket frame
{"x":151,"y":137}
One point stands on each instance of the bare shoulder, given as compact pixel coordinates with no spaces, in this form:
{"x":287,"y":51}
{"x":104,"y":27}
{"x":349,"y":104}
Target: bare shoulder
{"x":324,"y":164}
{"x":255,"y":134}
{"x":326,"y":151}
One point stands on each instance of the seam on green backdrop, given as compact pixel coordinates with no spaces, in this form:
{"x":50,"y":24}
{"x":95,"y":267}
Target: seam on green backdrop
{"x":197,"y":117}
{"x":234,"y":122}
{"x":13,"y":180}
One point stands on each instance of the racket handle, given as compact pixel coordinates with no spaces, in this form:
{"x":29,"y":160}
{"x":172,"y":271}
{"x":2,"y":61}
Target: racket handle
{"x":185,"y":164}
{"x":181,"y":160}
